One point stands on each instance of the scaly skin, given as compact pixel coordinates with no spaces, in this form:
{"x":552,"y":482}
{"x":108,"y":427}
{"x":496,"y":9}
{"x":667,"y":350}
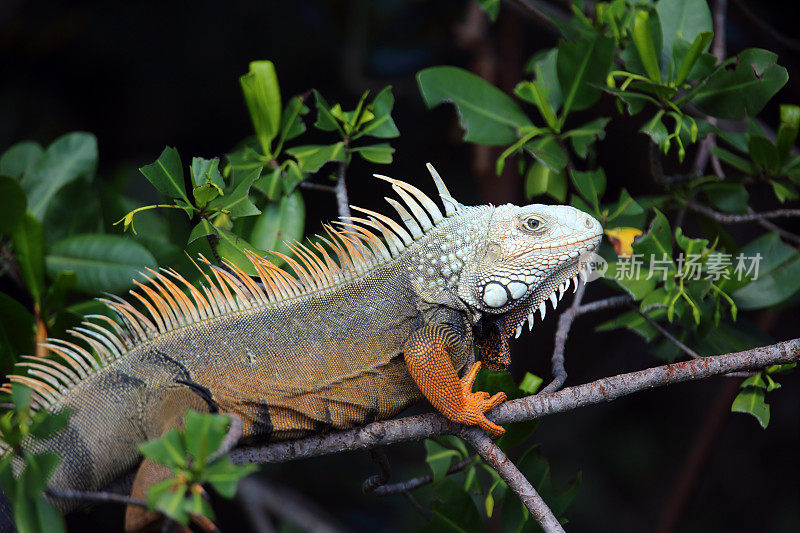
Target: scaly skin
{"x":335,"y":348}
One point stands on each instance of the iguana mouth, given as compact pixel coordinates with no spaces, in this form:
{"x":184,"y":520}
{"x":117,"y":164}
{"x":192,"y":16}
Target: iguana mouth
{"x":560,"y":280}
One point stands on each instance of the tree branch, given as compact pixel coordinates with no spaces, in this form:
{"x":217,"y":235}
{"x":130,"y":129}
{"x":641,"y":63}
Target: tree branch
{"x":342,"y":202}
{"x":725,"y":218}
{"x":529,"y":408}
{"x":565,"y":324}
{"x":516,"y":481}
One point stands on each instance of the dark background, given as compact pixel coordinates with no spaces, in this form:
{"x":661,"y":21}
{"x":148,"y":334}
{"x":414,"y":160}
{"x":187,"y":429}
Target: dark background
{"x":142,"y":75}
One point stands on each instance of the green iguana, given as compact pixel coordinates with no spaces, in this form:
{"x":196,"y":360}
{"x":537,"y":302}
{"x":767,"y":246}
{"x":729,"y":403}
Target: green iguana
{"x":341,"y":341}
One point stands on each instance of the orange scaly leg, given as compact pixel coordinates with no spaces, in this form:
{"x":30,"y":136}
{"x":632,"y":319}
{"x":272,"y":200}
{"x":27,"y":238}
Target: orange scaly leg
{"x":427,"y":356}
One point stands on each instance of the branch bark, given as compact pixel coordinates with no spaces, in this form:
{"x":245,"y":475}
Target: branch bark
{"x":529,"y":408}
{"x":516,"y":481}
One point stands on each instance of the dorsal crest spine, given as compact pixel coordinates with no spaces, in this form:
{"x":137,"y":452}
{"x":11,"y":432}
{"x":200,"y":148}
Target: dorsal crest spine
{"x":171,"y":302}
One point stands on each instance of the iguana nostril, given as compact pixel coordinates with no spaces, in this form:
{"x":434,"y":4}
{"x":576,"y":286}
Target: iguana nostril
{"x":588,"y":221}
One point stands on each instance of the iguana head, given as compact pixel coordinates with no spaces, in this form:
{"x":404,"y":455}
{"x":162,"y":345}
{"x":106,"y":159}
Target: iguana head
{"x":504,"y":261}
{"x":530,"y":255}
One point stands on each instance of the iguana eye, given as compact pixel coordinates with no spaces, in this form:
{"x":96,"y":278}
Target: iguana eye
{"x":532,"y":224}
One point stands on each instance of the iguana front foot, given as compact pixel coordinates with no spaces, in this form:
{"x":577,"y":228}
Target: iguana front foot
{"x":478,"y":403}
{"x":427,"y":355}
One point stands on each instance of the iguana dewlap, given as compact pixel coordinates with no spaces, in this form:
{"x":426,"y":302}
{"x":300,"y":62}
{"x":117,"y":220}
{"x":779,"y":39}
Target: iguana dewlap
{"x":376,"y":318}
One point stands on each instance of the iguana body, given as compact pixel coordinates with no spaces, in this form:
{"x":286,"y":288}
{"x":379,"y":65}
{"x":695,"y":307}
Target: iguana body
{"x":337,"y":344}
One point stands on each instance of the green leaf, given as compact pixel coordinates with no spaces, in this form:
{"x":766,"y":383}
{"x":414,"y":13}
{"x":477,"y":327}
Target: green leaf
{"x":376,"y":153}
{"x":751,"y":401}
{"x":633,"y":321}
{"x":381,"y":125}
{"x":14,"y":205}
{"x":545,"y":73}
{"x":202,"y":229}
{"x":685,"y":19}
{"x":20,"y":158}
{"x":778,"y":273}
{"x":643,"y":39}
{"x":102,"y":263}
{"x":205,"y":171}
{"x":16,"y":331}
{"x":439,"y":459}
{"x":492,"y":7}
{"x":583,"y":136}
{"x":28,"y":243}
{"x":547,"y":151}
{"x":204,"y":434}
{"x":591,"y":185}
{"x":739,"y":163}
{"x":237,"y":197}
{"x":311,"y":157}
{"x":728,"y":197}
{"x":57,"y":292}
{"x":632,"y":276}
{"x":582,"y":68}
{"x":325,"y":120}
{"x":541,"y":180}
{"x":262,"y":95}
{"x":169,"y":450}
{"x":292,"y":124}
{"x":657,"y":242}
{"x":453,"y":510}
{"x":292,"y":177}
{"x":784,"y":192}
{"x":698,"y":46}
{"x":45,"y":426}
{"x":62,"y":219}
{"x":166,"y":174}
{"x":224,"y":476}
{"x":764,"y":154}
{"x":232,"y":247}
{"x":626,"y":206}
{"x":787,"y":131}
{"x":656,"y":130}
{"x":743,"y":90}
{"x":532,"y":92}
{"x":270,"y":183}
{"x":280,"y":221}
{"x":69,"y":157}
{"x":486,"y":114}
{"x":169,"y":497}
{"x":530,"y":383}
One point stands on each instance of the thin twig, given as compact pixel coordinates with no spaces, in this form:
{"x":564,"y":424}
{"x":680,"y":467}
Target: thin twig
{"x":685,"y":349}
{"x":318,"y":187}
{"x":725,"y":218}
{"x":537,"y":14}
{"x":528,"y":408}
{"x":416,"y":482}
{"x":380,"y":480}
{"x":258,"y":494}
{"x":212,"y":243}
{"x":670,"y":337}
{"x":96,"y":497}
{"x":516,"y":481}
{"x":231,"y":437}
{"x":565,"y":324}
{"x":416,"y":505}
{"x":767,"y":29}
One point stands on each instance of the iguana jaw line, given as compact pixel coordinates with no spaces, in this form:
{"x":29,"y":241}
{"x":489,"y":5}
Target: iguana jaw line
{"x":565,"y":276}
